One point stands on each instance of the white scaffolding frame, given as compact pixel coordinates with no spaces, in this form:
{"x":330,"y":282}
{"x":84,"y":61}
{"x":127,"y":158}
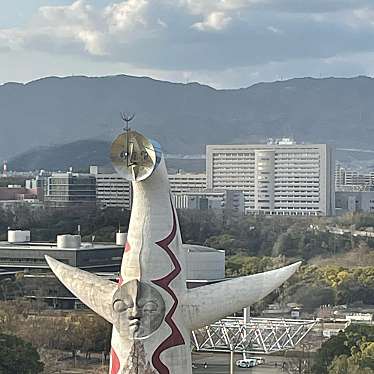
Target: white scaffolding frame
{"x":258,"y":335}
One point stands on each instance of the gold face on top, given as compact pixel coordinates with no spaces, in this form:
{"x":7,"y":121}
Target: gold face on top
{"x":134,"y":156}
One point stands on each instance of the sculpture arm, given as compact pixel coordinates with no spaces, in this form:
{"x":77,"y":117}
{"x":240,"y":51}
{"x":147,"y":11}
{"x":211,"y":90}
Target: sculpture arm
{"x":95,"y":292}
{"x":208,"y":304}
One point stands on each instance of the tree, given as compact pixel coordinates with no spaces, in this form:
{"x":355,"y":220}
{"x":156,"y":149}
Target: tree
{"x":350,"y":352}
{"x":18,"y":356}
{"x":343,"y":365}
{"x":313,"y":297}
{"x":360,"y":362}
{"x":334,"y":347}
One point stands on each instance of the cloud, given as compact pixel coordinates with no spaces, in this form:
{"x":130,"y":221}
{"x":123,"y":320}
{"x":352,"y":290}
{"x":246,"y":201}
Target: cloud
{"x":210,"y":6}
{"x":214,"y":21}
{"x":275,"y":30}
{"x":126,"y":16}
{"x":201,"y":38}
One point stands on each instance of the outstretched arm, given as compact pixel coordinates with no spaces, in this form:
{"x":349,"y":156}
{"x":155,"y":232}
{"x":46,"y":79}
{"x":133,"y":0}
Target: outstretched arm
{"x":208,"y":304}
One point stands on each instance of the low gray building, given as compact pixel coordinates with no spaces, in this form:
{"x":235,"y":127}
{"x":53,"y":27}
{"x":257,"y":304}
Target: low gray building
{"x":354,"y":201}
{"x":95,"y":257}
{"x":204,"y":265}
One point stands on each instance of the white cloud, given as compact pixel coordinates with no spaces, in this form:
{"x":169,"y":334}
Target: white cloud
{"x":126,"y":15}
{"x":58,"y":27}
{"x":275,"y":30}
{"x":186,"y":38}
{"x":80,"y":23}
{"x":210,"y":6}
{"x":214,"y":21}
{"x":364,"y":14}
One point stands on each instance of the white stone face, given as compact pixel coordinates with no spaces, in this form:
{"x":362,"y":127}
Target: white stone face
{"x":151,"y":310}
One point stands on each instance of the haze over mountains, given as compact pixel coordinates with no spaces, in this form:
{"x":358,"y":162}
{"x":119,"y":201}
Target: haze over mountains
{"x":182,"y":117}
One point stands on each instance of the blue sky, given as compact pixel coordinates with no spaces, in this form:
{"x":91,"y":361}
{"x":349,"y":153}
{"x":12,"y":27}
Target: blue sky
{"x":223,"y":43}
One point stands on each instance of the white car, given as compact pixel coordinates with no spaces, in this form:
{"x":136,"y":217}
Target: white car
{"x":246,"y":363}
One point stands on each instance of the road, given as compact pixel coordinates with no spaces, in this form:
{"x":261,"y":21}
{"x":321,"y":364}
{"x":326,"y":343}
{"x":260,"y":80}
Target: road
{"x":219,"y":363}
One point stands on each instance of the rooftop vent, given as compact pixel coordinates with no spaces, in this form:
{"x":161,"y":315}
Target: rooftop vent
{"x":68,"y":241}
{"x":121,"y":238}
{"x":18,"y":236}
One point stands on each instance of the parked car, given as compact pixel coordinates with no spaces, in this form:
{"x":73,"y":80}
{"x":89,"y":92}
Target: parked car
{"x":259,"y":360}
{"x":246,"y":363}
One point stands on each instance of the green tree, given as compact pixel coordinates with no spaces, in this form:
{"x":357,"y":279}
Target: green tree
{"x":334,"y":347}
{"x":352,"y":349}
{"x":18,"y":356}
{"x":343,"y":365}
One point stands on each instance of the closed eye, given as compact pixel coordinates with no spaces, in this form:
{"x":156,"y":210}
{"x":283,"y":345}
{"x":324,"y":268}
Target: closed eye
{"x":150,"y":307}
{"x":120,"y":306}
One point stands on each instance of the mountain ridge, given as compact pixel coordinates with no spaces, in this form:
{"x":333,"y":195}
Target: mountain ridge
{"x":184,"y":117}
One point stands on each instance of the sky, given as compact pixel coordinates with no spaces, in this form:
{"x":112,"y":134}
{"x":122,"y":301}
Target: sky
{"x":222,"y":43}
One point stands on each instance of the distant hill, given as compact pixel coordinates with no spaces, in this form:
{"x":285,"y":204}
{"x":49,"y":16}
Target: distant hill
{"x":80,"y":155}
{"x":182,"y":117}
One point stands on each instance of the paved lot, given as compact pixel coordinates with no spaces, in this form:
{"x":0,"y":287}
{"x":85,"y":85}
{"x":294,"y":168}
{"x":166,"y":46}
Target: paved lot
{"x":219,"y":363}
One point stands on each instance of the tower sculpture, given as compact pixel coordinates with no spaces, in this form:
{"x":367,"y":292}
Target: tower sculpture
{"x":151,"y":309}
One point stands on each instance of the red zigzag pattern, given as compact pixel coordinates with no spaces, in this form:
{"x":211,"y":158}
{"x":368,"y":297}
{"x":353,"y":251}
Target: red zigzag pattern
{"x":175,"y":338}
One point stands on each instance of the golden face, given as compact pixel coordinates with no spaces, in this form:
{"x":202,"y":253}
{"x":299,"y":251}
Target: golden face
{"x":134,"y":156}
{"x":139,"y":309}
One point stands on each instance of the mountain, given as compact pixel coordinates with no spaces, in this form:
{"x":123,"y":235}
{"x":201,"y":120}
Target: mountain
{"x":182,"y":117}
{"x":80,"y":155}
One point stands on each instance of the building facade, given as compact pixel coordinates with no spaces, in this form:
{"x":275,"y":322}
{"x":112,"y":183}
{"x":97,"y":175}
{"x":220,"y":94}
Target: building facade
{"x":22,"y":254}
{"x":66,"y":189}
{"x":185,"y":182}
{"x":354,"y":201}
{"x":231,"y":202}
{"x":353,"y":180}
{"x":281,"y":178}
{"x":113,"y":191}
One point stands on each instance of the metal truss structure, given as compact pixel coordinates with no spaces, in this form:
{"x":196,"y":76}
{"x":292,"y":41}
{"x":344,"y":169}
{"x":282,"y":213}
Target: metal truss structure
{"x":258,"y":335}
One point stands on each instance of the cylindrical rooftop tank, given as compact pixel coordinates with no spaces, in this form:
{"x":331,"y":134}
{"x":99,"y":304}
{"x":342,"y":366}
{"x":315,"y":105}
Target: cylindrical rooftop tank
{"x":68,"y":241}
{"x":121,"y":238}
{"x":18,"y":236}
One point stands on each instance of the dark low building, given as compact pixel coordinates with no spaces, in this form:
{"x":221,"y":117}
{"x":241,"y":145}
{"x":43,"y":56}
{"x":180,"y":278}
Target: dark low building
{"x":21,"y":255}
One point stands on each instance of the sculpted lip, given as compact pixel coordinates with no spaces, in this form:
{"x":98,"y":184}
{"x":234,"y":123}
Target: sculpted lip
{"x":134,"y":325}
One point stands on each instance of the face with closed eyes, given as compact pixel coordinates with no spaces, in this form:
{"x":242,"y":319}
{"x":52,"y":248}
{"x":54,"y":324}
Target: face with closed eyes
{"x":138,"y":309}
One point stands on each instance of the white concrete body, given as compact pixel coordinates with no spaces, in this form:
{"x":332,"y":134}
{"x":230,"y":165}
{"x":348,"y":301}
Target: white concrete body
{"x":153,"y":335}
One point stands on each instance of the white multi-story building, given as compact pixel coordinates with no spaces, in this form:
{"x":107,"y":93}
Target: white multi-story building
{"x":185,"y":182}
{"x":112,"y":190}
{"x":281,"y":178}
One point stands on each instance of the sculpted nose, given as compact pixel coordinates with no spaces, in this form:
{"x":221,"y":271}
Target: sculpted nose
{"x":135,"y":313}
